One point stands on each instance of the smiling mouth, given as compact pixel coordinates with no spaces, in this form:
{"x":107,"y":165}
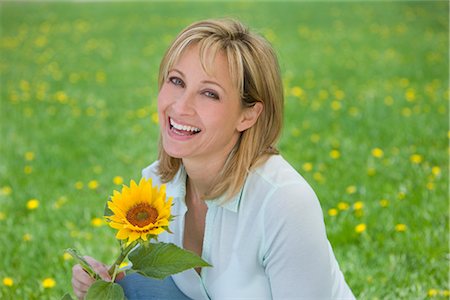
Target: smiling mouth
{"x":182,"y":129}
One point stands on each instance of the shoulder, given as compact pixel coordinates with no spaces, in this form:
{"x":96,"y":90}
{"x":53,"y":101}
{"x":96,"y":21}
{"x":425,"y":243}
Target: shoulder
{"x":151,"y":171}
{"x":277,"y":176}
{"x":280,"y":191}
{"x":175,"y":187}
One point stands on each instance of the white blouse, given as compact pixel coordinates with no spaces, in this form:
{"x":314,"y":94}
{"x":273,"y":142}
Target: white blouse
{"x":268,"y":242}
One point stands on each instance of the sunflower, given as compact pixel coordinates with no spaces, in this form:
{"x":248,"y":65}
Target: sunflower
{"x":140,"y":211}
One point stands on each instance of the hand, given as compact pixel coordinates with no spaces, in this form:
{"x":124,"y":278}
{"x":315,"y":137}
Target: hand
{"x":81,"y":281}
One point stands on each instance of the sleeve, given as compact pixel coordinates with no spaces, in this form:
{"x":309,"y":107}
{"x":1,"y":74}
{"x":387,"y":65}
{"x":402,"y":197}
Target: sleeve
{"x":296,"y":250}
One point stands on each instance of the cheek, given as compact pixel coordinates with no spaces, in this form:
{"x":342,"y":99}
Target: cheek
{"x":162,"y":100}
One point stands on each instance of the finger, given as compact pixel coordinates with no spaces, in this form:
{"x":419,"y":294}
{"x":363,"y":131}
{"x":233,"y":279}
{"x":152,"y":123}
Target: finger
{"x":99,"y":268}
{"x":80,"y":275}
{"x":80,"y":289}
{"x":120,"y":276}
{"x":81,"y":281}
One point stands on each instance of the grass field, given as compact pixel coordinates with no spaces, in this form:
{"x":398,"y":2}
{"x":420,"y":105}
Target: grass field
{"x":366,"y":124}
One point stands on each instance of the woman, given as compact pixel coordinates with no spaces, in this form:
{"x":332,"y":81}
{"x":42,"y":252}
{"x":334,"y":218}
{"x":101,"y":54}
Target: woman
{"x":238,"y":203}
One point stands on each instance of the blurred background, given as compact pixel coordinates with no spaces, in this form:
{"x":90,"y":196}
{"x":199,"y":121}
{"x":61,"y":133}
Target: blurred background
{"x":366,"y":86}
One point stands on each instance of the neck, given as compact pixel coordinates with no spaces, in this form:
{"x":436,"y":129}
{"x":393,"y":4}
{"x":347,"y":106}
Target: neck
{"x":201,"y":175}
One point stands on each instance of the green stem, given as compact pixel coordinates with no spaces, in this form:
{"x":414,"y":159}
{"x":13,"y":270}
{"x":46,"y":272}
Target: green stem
{"x":123,"y":254}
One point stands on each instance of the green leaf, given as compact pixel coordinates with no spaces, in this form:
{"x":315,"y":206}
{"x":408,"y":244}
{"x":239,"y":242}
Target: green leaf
{"x":67,"y":297}
{"x":84,"y":264}
{"x":159,"y":260}
{"x":105,"y":291}
{"x":107,"y":212}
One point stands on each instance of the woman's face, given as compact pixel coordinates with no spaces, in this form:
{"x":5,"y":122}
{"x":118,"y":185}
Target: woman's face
{"x":200,"y":114}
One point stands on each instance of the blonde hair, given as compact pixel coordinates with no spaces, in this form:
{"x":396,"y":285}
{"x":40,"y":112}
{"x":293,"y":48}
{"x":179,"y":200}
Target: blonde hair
{"x":254,"y":68}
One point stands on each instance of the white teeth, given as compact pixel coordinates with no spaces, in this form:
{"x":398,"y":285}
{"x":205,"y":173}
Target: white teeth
{"x":183,"y":127}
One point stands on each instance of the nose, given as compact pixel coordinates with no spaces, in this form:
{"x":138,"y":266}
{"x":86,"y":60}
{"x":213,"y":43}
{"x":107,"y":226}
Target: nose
{"x":184,"y":103}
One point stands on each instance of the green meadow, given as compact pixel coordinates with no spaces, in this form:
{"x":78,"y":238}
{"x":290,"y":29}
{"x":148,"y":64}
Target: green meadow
{"x":366,"y":123}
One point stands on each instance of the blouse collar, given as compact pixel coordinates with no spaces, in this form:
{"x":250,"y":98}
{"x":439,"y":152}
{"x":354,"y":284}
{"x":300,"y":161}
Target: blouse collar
{"x":177,"y":188}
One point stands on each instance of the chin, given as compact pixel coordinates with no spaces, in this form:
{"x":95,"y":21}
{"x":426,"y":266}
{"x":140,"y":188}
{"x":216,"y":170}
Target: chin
{"x":172,"y":152}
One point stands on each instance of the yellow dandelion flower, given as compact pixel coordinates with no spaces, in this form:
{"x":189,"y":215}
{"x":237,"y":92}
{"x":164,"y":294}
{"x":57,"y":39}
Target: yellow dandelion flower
{"x":339,"y":94}
{"x":351,"y":189}
{"x":6,"y":190}
{"x":318,"y":177}
{"x":307,"y":166}
{"x":445,"y":293}
{"x":371,"y":171}
{"x":91,"y":111}
{"x":436,"y":170}
{"x":384,"y":203}
{"x":360,"y":228}
{"x":79,"y":185}
{"x":343,"y":206}
{"x":332,"y":212}
{"x":404,"y":82}
{"x":416,"y":158}
{"x":60,"y":202}
{"x":323,"y":94}
{"x":97,"y":222}
{"x":400,"y":227}
{"x":406,"y":112}
{"x":335,"y":154}
{"x":61,"y":97}
{"x":29,"y":156}
{"x":377,"y":152}
{"x":24,"y":85}
{"x":353,"y":111}
{"x":28,"y":169}
{"x":410,"y":95}
{"x":142,"y":112}
{"x":336,"y":105}
{"x":358,"y":205}
{"x":155,"y":118}
{"x":315,"y":138}
{"x":67,"y":256}
{"x":432,"y":293}
{"x":297,"y":91}
{"x":140,"y":211}
{"x":93,"y":184}
{"x":295,"y":132}
{"x":48,"y":283}
{"x":40,"y":41}
{"x":100,"y":77}
{"x":430,"y":186}
{"x":32,"y":204}
{"x":8,"y":281}
{"x":118,"y":180}
{"x":27,"y":237}
{"x":388,"y":100}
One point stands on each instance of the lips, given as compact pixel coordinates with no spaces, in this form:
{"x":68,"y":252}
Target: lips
{"x":183,"y":129}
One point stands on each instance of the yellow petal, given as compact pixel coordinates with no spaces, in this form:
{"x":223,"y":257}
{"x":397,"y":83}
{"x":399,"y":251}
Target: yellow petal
{"x":123,"y":234}
{"x":133,"y":236}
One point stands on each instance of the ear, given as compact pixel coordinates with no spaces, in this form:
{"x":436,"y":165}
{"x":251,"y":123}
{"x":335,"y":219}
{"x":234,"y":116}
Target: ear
{"x":250,"y":116}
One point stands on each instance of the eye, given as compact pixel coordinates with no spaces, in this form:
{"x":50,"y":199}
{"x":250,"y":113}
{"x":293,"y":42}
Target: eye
{"x":211,"y":94}
{"x":176,"y":81}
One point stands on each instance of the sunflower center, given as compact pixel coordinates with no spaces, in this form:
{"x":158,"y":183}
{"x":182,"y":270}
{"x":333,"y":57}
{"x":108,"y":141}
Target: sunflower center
{"x":142,"y":214}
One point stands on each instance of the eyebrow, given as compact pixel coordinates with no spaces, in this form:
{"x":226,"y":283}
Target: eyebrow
{"x":203,"y":81}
